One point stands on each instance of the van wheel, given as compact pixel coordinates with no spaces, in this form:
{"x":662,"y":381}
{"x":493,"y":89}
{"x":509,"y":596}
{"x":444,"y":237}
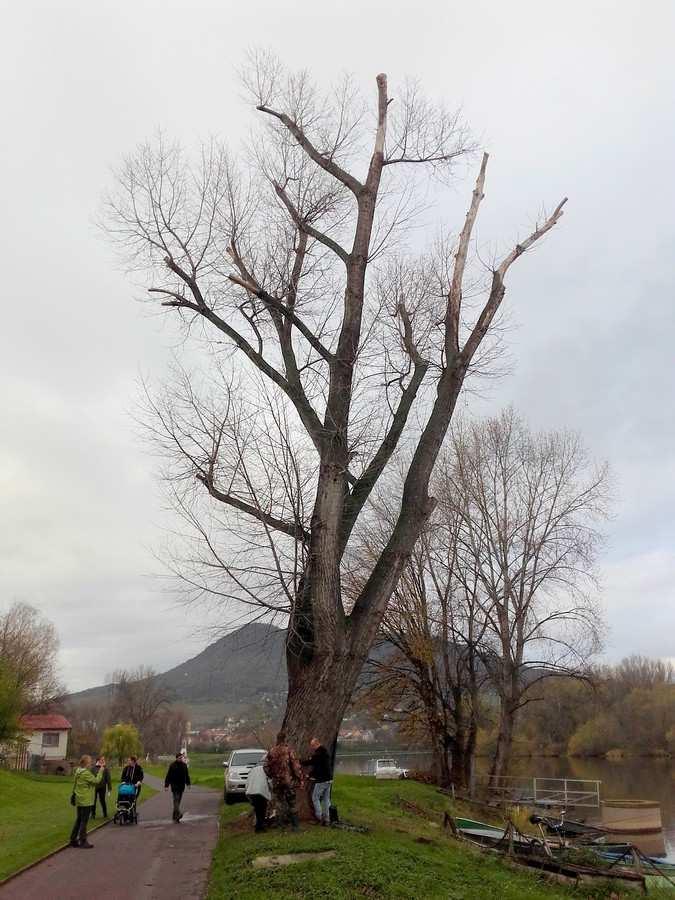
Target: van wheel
{"x":230,"y":798}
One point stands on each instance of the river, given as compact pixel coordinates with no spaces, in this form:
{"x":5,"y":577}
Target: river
{"x":628,"y":779}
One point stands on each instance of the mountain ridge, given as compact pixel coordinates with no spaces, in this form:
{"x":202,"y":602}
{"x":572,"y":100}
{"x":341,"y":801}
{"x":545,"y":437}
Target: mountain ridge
{"x":238,"y":670}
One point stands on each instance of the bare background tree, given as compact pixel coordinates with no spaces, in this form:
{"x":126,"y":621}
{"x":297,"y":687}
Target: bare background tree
{"x":166,"y":732}
{"x":28,"y":647}
{"x":298,"y":270}
{"x":494,"y":599}
{"x":139,"y":697}
{"x":530,"y":504}
{"x":426,"y":672}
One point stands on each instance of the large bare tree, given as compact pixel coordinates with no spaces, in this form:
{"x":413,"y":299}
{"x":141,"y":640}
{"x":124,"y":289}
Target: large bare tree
{"x":296,"y":270}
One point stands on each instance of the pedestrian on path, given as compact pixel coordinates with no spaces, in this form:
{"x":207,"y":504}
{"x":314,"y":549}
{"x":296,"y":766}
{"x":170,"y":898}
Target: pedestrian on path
{"x":103,"y":789}
{"x":82,"y":798}
{"x":285,"y":772}
{"x":259,"y":795}
{"x":321,"y":773}
{"x":177,"y":778}
{"x":132,"y":773}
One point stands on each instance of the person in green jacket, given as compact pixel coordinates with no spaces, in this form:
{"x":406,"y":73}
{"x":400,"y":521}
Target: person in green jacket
{"x":84,"y":788}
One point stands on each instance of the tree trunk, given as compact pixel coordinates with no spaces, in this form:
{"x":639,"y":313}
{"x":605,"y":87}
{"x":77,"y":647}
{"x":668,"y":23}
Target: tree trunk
{"x":319,"y":691}
{"x":440,"y":765}
{"x":442,"y":757}
{"x":470,"y":753}
{"x":502,"y":758}
{"x":320,"y":685}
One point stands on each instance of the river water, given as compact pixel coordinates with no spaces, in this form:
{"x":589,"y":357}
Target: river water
{"x":628,"y":779}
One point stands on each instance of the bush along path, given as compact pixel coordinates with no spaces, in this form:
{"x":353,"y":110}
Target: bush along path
{"x":152,"y":860}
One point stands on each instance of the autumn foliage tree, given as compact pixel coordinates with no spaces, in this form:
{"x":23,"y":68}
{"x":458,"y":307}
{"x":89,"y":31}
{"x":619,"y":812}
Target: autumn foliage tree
{"x":329,"y":345}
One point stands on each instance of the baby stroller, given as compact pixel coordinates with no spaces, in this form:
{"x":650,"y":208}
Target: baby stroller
{"x":125,"y":812}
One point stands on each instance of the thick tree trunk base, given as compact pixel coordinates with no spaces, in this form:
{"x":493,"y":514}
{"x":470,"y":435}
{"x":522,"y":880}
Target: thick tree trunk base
{"x":319,"y":691}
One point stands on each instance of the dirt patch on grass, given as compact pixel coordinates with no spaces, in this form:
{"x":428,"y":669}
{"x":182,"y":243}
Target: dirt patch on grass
{"x":290,"y":859}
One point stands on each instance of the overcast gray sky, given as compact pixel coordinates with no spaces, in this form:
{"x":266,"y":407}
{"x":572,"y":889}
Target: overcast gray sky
{"x":571,"y":99}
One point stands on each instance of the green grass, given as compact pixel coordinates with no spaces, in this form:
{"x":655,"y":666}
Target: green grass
{"x":404,"y":855}
{"x":209,"y":760}
{"x":206,"y":769}
{"x":36,"y":816}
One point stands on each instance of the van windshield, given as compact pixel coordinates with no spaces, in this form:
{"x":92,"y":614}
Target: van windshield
{"x":247,"y":759}
{"x":386,"y":763}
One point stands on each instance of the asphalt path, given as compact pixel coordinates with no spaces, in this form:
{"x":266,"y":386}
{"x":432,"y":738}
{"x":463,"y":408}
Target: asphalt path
{"x":154,"y":860}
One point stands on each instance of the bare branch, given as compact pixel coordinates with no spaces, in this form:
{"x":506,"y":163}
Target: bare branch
{"x":498,"y":288}
{"x":287,"y":313}
{"x":325,"y":162}
{"x":455,"y":294}
{"x":292,"y":529}
{"x":304,"y":225}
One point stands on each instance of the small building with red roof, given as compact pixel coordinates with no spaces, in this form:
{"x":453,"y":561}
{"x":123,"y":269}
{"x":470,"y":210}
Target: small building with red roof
{"x":47,"y":736}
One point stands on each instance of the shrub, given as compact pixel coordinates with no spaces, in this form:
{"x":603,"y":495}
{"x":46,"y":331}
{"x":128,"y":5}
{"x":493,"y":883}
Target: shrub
{"x":596,"y":737}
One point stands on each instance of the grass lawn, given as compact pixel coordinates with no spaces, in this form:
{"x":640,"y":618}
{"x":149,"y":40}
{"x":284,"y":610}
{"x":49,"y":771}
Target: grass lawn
{"x":206,"y":769}
{"x":404,"y":855}
{"x":36,"y":816}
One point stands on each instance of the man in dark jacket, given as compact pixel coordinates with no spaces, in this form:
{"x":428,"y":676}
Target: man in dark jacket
{"x":102,"y":789}
{"x":132,"y":773}
{"x":177,"y":778}
{"x":321,"y":773}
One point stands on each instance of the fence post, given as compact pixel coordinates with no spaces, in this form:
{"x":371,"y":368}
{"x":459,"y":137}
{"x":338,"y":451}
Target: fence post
{"x":534,"y":789}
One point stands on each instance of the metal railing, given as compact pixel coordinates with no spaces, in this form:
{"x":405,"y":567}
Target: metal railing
{"x":541,"y":791}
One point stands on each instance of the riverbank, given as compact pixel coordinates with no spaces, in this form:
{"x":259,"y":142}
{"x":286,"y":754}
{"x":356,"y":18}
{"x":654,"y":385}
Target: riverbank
{"x":404,"y":854}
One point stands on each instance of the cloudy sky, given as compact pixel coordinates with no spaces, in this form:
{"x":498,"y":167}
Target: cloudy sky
{"x":571,"y":99}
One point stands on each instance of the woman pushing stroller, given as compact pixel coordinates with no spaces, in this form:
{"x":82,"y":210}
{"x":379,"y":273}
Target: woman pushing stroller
{"x":132,"y":773}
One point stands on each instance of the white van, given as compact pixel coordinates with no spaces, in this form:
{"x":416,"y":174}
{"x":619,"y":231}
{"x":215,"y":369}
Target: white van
{"x":386,"y":768}
{"x":236,"y":772}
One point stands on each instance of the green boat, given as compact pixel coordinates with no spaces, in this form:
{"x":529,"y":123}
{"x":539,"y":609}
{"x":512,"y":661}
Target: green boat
{"x":489,"y":835}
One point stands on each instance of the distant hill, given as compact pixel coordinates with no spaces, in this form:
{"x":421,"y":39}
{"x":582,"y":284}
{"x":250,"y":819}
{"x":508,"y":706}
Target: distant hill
{"x":234,"y":672}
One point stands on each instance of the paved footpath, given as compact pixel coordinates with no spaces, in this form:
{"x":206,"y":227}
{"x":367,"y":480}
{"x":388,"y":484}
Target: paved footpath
{"x":154,"y":860}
